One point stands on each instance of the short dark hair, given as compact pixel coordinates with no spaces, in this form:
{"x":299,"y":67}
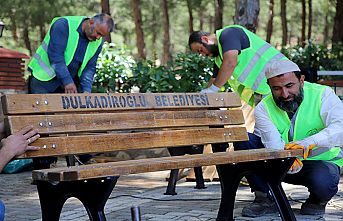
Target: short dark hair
{"x":297,"y":74}
{"x":104,"y":18}
{"x":196,"y":37}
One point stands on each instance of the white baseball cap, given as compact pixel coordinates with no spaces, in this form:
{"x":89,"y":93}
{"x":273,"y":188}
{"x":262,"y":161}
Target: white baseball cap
{"x":277,"y":68}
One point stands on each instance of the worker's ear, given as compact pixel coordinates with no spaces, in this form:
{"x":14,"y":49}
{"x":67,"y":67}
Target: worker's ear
{"x":204,"y":39}
{"x":91,"y":21}
{"x":302,"y":79}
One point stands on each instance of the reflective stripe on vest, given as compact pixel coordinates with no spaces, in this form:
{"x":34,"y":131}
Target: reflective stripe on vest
{"x":40,"y":64}
{"x":249,"y":74}
{"x":308,"y":122}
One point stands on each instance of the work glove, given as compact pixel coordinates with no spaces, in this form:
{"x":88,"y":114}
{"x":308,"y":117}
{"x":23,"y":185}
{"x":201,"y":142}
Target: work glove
{"x":211,"y":89}
{"x":296,"y":166}
{"x":306,"y":149}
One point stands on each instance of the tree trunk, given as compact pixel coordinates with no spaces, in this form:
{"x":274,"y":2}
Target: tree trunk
{"x":105,"y":8}
{"x":284,"y":22}
{"x":309,"y":19}
{"x":201,"y":15}
{"x":218,"y":20}
{"x":270,"y":21}
{"x":155,"y":25}
{"x":138,"y":28}
{"x":337,"y":35}
{"x":166,"y":39}
{"x":42,"y":31}
{"x":247,"y":13}
{"x":326,"y":30}
{"x":190,"y":13}
{"x":303,"y":22}
{"x":14,"y":28}
{"x":27,"y":39}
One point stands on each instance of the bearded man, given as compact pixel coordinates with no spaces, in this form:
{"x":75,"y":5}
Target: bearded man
{"x":298,"y":114}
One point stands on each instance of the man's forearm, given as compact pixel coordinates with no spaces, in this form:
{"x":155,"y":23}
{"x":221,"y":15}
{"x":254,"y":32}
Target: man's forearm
{"x":5,"y":157}
{"x":224,"y":74}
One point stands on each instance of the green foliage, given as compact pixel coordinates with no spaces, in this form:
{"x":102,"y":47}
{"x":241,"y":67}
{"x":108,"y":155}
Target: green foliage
{"x":186,"y":73}
{"x":112,"y":69}
{"x":316,"y":56}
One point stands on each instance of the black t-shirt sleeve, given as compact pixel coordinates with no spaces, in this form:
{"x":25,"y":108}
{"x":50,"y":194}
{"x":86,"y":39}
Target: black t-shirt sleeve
{"x":215,"y":70}
{"x":233,"y":39}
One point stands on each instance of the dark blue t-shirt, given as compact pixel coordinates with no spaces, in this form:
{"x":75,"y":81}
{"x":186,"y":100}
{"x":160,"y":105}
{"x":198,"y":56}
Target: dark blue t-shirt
{"x":232,"y":39}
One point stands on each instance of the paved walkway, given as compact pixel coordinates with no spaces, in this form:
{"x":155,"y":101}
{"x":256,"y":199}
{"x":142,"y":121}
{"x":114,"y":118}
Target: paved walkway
{"x":146,"y":191}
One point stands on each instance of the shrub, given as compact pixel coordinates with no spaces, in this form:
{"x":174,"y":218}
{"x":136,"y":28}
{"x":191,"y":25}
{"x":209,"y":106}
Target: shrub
{"x":112,"y":69}
{"x":186,"y":73}
{"x":315,"y":56}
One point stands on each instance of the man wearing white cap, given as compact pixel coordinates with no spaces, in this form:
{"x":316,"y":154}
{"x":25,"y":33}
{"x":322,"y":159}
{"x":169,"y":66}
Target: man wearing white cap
{"x":299,"y":114}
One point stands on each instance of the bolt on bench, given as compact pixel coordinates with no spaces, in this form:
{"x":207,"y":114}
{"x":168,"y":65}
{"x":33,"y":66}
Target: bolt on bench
{"x":97,"y":123}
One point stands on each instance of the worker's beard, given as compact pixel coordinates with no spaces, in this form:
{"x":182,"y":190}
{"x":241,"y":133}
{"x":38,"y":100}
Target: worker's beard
{"x":290,"y":106}
{"x":90,"y":32}
{"x":213,"y":49}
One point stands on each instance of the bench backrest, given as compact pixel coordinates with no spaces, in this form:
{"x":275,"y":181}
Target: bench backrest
{"x":93,"y":123}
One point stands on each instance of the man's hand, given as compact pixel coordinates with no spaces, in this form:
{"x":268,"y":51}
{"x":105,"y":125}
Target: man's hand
{"x":306,"y":149}
{"x":296,"y":167}
{"x":17,"y":143}
{"x":70,"y":88}
{"x":211,"y":89}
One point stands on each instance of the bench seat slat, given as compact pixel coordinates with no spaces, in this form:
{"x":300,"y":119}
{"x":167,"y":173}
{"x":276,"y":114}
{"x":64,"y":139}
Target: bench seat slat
{"x":56,"y":103}
{"x":163,"y":163}
{"x":139,"y":140}
{"x":67,"y":123}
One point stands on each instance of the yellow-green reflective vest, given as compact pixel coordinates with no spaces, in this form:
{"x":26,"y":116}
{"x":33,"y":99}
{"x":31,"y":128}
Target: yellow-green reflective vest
{"x":249,"y":74}
{"x":40,"y":64}
{"x":308,"y":122}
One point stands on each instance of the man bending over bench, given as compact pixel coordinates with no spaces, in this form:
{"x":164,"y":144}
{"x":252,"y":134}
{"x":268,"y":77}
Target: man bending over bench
{"x":298,"y":115}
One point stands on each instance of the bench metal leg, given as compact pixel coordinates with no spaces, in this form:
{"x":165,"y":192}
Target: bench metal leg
{"x":174,"y":174}
{"x":172,"y":182}
{"x":229,"y":180}
{"x":199,"y":178}
{"x":273,"y":171}
{"x":221,"y":147}
{"x":92,"y":193}
{"x":274,"y":179}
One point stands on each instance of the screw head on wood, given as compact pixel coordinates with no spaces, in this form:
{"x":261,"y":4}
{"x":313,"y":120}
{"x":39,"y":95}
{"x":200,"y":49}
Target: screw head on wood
{"x":37,"y":102}
{"x":54,"y":146}
{"x":46,"y":102}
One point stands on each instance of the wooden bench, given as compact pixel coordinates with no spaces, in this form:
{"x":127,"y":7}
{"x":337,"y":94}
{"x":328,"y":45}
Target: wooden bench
{"x":98,"y":123}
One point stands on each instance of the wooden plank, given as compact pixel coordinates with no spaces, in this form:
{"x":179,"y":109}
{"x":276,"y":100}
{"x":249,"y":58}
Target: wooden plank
{"x":158,"y":164}
{"x":41,"y":103}
{"x":11,"y":60}
{"x":12,"y":65}
{"x":13,"y":83}
{"x":5,"y":74}
{"x":14,"y":78}
{"x":332,"y":83}
{"x":23,"y":88}
{"x":11,"y":70}
{"x":322,"y":73}
{"x":67,"y":123}
{"x":55,"y":146}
